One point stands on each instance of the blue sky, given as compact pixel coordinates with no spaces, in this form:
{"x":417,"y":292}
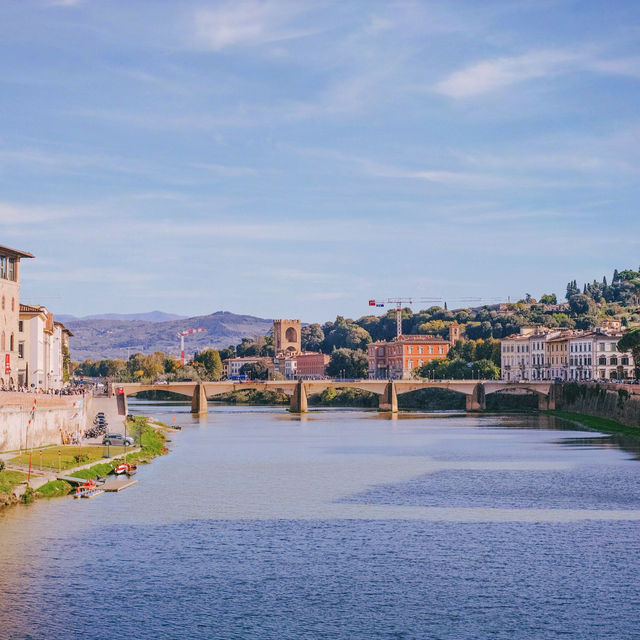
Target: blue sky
{"x":294,"y":159}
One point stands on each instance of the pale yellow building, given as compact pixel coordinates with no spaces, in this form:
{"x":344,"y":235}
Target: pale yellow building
{"x":9,"y":312}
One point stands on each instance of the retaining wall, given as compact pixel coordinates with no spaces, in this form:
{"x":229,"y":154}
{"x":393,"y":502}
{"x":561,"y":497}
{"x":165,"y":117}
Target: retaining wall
{"x":595,"y":400}
{"x":55,"y":418}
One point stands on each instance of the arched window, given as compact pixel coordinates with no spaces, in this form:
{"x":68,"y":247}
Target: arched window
{"x":11,"y":343}
{"x":291,"y":335}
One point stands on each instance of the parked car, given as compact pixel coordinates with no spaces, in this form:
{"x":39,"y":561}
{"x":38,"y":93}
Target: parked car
{"x":117,"y":439}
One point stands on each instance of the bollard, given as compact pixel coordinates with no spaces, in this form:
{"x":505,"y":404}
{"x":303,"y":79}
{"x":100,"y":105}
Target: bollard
{"x":59,"y":461}
{"x":40,"y":459}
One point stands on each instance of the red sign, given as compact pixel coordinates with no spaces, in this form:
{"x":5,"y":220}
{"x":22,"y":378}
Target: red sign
{"x":7,"y":363}
{"x":120,"y":391}
{"x":372,"y":303}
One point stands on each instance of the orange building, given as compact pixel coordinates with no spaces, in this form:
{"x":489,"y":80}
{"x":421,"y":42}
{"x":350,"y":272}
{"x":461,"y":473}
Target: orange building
{"x":398,"y":359}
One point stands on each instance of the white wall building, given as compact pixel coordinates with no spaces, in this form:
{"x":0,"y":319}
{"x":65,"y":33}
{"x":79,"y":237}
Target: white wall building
{"x":41,"y":344}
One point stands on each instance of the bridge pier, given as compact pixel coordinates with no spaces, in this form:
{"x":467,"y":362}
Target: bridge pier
{"x":477,"y":400}
{"x":199,"y":400}
{"x":548,"y":402}
{"x":388,"y":401}
{"x":299,"y":399}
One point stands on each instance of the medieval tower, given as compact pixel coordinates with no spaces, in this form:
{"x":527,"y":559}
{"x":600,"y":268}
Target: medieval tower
{"x":286,"y":337}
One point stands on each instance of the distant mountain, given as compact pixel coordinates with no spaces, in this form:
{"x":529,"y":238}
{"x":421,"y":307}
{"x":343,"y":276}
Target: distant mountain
{"x":150,"y":316}
{"x":115,"y":336}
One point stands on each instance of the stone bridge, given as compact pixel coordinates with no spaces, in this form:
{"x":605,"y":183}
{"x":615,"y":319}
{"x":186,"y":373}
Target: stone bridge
{"x":388,"y":391}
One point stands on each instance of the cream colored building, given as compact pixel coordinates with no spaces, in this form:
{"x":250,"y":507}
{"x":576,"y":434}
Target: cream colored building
{"x":41,"y":346}
{"x":9,"y":311}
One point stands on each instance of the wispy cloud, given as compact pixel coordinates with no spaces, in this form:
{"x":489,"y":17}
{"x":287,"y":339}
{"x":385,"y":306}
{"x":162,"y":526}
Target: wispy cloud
{"x":249,"y":24}
{"x":225,"y":170}
{"x":18,"y":214}
{"x":490,"y":75}
{"x":498,"y":73}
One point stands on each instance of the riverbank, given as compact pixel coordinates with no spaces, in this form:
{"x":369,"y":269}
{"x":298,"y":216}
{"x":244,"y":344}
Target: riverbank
{"x":596,"y":423}
{"x":149,"y":435}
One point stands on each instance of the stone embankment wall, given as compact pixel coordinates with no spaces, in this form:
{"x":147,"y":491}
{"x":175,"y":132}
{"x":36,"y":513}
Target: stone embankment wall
{"x":595,"y":400}
{"x":55,"y":418}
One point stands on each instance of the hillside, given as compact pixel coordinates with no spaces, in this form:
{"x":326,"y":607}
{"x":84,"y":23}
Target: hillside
{"x":98,"y":338}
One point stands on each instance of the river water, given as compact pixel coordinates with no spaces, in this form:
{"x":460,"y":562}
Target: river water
{"x":340,"y":525}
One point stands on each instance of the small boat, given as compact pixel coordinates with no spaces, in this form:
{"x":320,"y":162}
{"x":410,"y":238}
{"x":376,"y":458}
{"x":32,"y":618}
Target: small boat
{"x":126,"y":468}
{"x":88,"y":489}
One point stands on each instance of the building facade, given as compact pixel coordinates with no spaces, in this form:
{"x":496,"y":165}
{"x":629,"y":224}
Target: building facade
{"x":9,"y":314}
{"x":398,"y":359}
{"x":42,"y":343}
{"x":545,"y":354}
{"x":311,"y":365}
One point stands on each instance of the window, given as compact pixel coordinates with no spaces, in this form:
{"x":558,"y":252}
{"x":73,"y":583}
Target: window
{"x":13,"y":304}
{"x":11,"y":272}
{"x":409,"y":349}
{"x":613,"y":360}
{"x":420,"y":349}
{"x":20,"y":326}
{"x":11,"y":343}
{"x":430,"y":349}
{"x":602,"y":360}
{"x":20,"y":349}
{"x":625,"y":360}
{"x":440,"y":350}
{"x":602,"y":346}
{"x":3,"y":267}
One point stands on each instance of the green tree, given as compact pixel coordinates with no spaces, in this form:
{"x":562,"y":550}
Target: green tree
{"x":210,"y":360}
{"x":580,"y":304}
{"x":630,"y":341}
{"x":255,"y":370}
{"x":486,"y":370}
{"x":311,"y":337}
{"x":344,"y":334}
{"x":549,"y":298}
{"x":348,"y":363}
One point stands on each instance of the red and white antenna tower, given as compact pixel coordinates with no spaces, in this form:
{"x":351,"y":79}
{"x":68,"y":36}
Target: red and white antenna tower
{"x":398,"y":303}
{"x":181,"y":335}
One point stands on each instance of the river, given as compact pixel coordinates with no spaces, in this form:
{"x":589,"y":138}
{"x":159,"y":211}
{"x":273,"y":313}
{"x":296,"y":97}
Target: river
{"x":340,"y":525}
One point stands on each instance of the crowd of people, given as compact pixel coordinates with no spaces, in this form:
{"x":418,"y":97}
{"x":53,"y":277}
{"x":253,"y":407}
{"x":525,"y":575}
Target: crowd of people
{"x":69,"y":390}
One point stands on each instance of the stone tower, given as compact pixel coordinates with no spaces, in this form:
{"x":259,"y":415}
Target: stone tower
{"x":454,"y":333}
{"x":286,"y":337}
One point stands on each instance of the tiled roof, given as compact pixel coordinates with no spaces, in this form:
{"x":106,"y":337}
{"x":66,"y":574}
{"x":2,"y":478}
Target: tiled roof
{"x":14,"y":253}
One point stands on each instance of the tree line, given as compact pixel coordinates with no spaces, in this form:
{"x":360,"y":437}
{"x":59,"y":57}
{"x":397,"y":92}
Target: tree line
{"x":477,"y":354}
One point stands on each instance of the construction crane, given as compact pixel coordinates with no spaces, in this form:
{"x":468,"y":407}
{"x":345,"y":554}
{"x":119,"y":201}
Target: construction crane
{"x":398,"y":303}
{"x":181,"y":335}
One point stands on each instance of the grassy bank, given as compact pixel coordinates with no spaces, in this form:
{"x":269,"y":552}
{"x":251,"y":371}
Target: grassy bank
{"x":595,"y":423}
{"x":8,"y":481}
{"x":70,"y":456}
{"x":152,"y":442}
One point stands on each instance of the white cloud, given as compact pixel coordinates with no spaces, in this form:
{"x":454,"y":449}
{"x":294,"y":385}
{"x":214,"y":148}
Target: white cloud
{"x":490,"y":75}
{"x":248,"y":23}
